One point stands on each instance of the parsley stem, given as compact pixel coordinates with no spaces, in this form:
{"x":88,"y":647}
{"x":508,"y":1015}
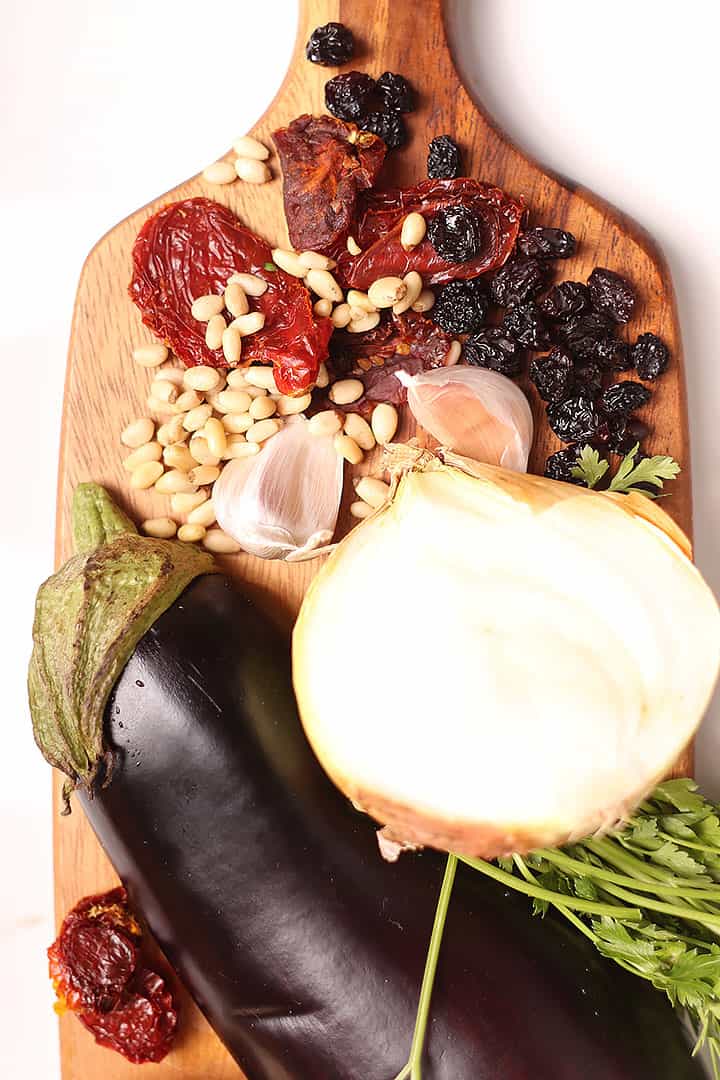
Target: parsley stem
{"x":679,"y":912}
{"x":587,"y":869}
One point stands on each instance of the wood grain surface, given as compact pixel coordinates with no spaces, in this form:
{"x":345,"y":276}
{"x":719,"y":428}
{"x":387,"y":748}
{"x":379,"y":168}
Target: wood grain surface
{"x":104,"y":389}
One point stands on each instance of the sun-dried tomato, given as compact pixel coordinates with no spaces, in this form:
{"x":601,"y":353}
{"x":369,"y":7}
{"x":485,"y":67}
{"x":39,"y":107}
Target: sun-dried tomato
{"x":190,"y":249}
{"x":95,"y":973}
{"x":325,"y":163}
{"x":381,"y":214}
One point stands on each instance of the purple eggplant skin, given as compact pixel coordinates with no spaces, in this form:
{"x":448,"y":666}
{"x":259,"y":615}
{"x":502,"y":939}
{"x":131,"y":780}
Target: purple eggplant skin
{"x":304,"y":949}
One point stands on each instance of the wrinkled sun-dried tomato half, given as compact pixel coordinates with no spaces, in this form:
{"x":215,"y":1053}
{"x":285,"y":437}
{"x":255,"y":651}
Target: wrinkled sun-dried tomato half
{"x":95,"y":973}
{"x":325,"y":164}
{"x":190,"y":249}
{"x":381,"y":215}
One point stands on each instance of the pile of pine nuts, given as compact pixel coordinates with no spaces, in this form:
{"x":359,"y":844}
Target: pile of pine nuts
{"x":250,"y":164}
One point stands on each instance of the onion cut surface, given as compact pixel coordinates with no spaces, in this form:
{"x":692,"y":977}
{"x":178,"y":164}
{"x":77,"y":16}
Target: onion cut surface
{"x":536,"y":657}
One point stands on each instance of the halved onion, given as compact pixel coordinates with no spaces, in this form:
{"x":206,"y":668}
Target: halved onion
{"x":496,"y":662}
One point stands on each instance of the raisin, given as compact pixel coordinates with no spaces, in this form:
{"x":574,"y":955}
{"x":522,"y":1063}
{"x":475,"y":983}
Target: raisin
{"x":330,"y":45}
{"x":574,"y":419}
{"x":443,"y":160}
{"x":547,"y":243}
{"x":559,"y":466}
{"x":622,"y":398}
{"x":350,"y":96}
{"x":588,"y":376}
{"x":582,"y":333}
{"x":396,"y":92}
{"x":491,"y":348}
{"x":524,"y":323}
{"x":611,"y":294}
{"x":553,"y":375}
{"x":460,"y":307}
{"x":565,"y":300}
{"x":456,"y":234}
{"x":389,"y":126}
{"x":650,"y":355}
{"x":623,"y":433}
{"x":518,"y":280}
{"x":613,"y":355}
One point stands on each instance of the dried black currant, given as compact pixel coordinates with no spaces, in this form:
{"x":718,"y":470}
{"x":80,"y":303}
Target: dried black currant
{"x":330,"y":45}
{"x":650,"y":355}
{"x":443,"y":160}
{"x":611,"y":294}
{"x":547,"y":243}
{"x":559,"y":466}
{"x":396,"y":92}
{"x":518,"y":280}
{"x":623,"y":433}
{"x":588,"y":377}
{"x":622,"y":398}
{"x":389,"y":126}
{"x":350,"y":96}
{"x":582,"y":333}
{"x":525,"y":324}
{"x":491,"y":348}
{"x":574,"y":419}
{"x":456,"y":234}
{"x":553,"y":375}
{"x":565,"y":300}
{"x":460,"y":307}
{"x":613,"y":355}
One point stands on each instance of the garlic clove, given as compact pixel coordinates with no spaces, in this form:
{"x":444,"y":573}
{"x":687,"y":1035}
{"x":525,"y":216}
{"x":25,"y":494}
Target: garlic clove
{"x":475,"y":412}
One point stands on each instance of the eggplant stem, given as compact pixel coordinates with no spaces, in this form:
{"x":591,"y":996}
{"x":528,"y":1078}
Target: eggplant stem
{"x":413,"y":1069}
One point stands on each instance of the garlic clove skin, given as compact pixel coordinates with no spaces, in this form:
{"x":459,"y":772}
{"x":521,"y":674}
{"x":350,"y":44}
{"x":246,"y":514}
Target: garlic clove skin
{"x":283,"y":502}
{"x":474,"y":412}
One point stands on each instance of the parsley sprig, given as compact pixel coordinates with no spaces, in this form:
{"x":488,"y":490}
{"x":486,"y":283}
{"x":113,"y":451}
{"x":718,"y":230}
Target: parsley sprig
{"x":591,"y":469}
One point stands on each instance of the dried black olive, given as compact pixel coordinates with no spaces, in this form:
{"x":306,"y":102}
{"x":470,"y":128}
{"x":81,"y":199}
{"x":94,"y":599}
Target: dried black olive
{"x":553,"y":375}
{"x":491,"y":348}
{"x":582,"y":333}
{"x":622,"y":398}
{"x":575,"y":419}
{"x":456,"y":234}
{"x":613,"y":355}
{"x":460,"y":307}
{"x":396,"y":92}
{"x":623,"y":433}
{"x":611,"y":294}
{"x":650,"y":355}
{"x":350,"y":96}
{"x":547,"y":243}
{"x":330,"y":45}
{"x":518,"y":280}
{"x":524,"y":323}
{"x":389,"y":126}
{"x":588,"y":376}
{"x":559,"y":466}
{"x":565,"y":300}
{"x":443,"y":160}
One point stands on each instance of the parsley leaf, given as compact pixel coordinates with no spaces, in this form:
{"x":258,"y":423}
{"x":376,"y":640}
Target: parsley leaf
{"x":650,"y":470}
{"x":590,"y":467}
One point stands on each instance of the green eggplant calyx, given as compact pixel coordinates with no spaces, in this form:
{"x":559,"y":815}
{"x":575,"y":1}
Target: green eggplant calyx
{"x":89,"y":617}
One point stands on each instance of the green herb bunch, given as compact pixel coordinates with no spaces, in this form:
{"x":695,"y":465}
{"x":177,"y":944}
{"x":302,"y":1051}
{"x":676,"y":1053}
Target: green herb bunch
{"x":590,"y":469}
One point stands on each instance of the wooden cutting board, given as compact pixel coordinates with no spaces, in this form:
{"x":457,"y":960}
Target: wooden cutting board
{"x":104,"y":389}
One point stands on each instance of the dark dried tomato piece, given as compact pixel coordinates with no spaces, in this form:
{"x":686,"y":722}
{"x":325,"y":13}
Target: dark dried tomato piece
{"x":387,"y":126}
{"x":611,"y":294}
{"x":142,"y":1026}
{"x":520,"y":279}
{"x":330,"y":45}
{"x":583,"y":333}
{"x":443,"y":160}
{"x":575,"y":419}
{"x":622,"y":398}
{"x":492,"y":348}
{"x":565,"y":300}
{"x":559,"y":466}
{"x":350,"y":96}
{"x":650,"y":355}
{"x":553,"y":374}
{"x":542,"y":243}
{"x":325,"y":164}
{"x":460,"y":307}
{"x":396,"y":92}
{"x":190,"y":249}
{"x":383,"y":212}
{"x":525,"y":324}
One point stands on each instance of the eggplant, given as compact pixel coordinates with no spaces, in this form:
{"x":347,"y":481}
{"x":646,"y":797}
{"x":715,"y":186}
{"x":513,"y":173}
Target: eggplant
{"x":302,"y":946}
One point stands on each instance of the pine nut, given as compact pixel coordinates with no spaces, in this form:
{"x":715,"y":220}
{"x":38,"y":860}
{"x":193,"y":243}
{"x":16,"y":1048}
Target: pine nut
{"x":214,"y":432}
{"x":262,"y":376}
{"x":204,"y":474}
{"x":155,"y":405}
{"x":197,"y":417}
{"x":202,"y":378}
{"x":236,"y":300}
{"x":367,"y":322}
{"x":425,"y":300}
{"x":145,"y":475}
{"x":359,"y":430}
{"x":151,"y":451}
{"x":360,"y":300}
{"x":174,"y":375}
{"x":178,"y":456}
{"x":360,"y":509}
{"x":353,"y":246}
{"x":386,"y":291}
{"x":323,"y":284}
{"x":173,"y":482}
{"x":323,"y":379}
{"x":384,"y":422}
{"x":161,"y":528}
{"x":204,"y":307}
{"x":248,"y":324}
{"x":252,"y":171}
{"x":237,"y":423}
{"x":453,"y":354}
{"x":373,"y":492}
{"x":164,"y":390}
{"x":263,"y":407}
{"x":348,"y":448}
{"x":241,"y":450}
{"x":220,"y":172}
{"x":138,"y":432}
{"x":185,"y":502}
{"x":214,"y":332}
{"x":203,"y":514}
{"x":327,"y":422}
{"x":313,"y":260}
{"x":150,"y":355}
{"x":233,"y":401}
{"x":249,"y":283}
{"x":323,"y":308}
{"x":219,"y":542}
{"x":248,"y":147}
{"x":258,"y":391}
{"x":262,"y":430}
{"x":345,"y":391}
{"x":341,"y":316}
{"x":289,"y":262}
{"x":201,"y":451}
{"x":290,"y":406}
{"x":191,"y":534}
{"x":172,"y":431}
{"x":232,"y":345}
{"x":236,"y":379}
{"x":413,"y":231}
{"x":189,"y":399}
{"x":413,"y":288}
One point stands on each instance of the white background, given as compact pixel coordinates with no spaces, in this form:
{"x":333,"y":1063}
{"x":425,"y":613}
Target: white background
{"x":104,"y":104}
